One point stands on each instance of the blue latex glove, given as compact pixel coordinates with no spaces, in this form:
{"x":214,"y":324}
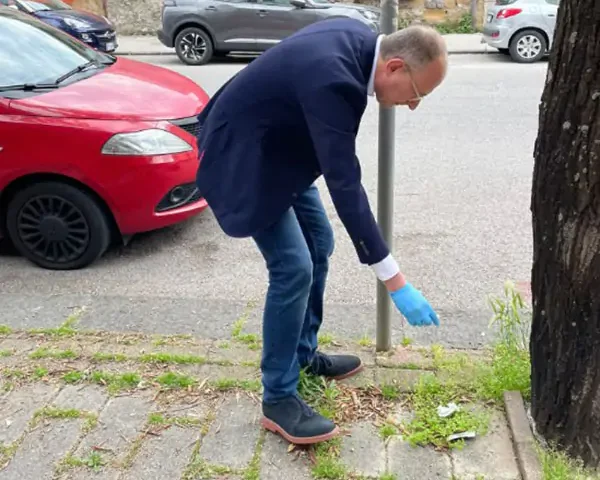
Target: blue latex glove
{"x":414,"y":307}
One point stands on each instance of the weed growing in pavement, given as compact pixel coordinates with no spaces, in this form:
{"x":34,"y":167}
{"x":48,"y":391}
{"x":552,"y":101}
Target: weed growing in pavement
{"x":388,"y":430}
{"x":325,"y":339}
{"x":171,"y":380}
{"x":327,"y":465}
{"x":225,"y":384}
{"x":557,"y":465}
{"x":93,"y":461}
{"x":109,"y":357}
{"x":66,"y":329}
{"x":116,"y":382}
{"x":319,"y":393}
{"x":5,"y":353}
{"x":166,"y":358}
{"x":365,"y":341}
{"x":388,"y":476}
{"x":461,"y":379}
{"x":406,"y":341}
{"x":249,"y":339}
{"x":252,"y":472}
{"x":5,"y":330}
{"x":56,"y":354}
{"x":40,"y":372}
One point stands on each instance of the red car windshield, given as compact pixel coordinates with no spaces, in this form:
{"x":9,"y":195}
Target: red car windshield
{"x":35,"y":53}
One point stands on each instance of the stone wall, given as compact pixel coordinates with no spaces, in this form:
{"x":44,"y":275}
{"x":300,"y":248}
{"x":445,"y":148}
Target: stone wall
{"x":139,"y":17}
{"x":135,"y":17}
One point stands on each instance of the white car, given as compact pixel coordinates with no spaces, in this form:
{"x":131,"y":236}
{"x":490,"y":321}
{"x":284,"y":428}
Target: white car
{"x":523,"y":29}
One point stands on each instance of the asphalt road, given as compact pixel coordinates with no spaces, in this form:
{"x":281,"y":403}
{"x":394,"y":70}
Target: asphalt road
{"x":461,"y":217}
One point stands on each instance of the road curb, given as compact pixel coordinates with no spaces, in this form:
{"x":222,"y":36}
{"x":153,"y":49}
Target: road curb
{"x":523,"y":440}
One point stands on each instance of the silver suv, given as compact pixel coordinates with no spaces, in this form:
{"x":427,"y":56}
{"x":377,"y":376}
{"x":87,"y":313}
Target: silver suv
{"x":202,"y":29}
{"x":523,"y":29}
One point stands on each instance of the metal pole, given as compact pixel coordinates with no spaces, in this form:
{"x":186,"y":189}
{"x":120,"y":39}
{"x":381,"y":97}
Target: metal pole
{"x":385,"y":187}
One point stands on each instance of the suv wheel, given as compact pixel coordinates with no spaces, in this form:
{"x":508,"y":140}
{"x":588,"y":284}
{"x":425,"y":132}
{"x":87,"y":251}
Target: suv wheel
{"x":528,"y":46}
{"x":194,"y":46}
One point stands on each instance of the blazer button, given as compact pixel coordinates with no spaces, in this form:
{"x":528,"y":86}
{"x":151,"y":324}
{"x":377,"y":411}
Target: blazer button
{"x":295,"y":195}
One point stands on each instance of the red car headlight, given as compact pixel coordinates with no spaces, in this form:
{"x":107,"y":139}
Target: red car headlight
{"x":149,"y":142}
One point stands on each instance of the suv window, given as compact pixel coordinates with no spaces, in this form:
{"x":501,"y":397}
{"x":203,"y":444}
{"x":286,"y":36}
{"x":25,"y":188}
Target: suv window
{"x":35,"y":53}
{"x":505,"y":2}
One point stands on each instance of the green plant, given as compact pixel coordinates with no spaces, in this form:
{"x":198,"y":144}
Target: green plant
{"x":559,"y":466}
{"x":508,"y":315}
{"x":463,"y":25}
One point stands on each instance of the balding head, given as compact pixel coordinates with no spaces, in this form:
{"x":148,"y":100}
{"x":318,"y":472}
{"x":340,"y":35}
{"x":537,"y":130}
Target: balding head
{"x":412,"y":63}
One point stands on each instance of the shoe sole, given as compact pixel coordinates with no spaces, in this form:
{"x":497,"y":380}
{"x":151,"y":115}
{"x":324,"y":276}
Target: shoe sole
{"x":356,"y":371}
{"x":273,"y":427}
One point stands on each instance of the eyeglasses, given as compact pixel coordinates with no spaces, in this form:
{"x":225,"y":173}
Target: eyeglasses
{"x":418,"y":97}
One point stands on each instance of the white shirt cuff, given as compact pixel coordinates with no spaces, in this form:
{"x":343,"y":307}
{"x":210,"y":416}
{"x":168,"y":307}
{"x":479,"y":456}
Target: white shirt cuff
{"x":386,"y":268}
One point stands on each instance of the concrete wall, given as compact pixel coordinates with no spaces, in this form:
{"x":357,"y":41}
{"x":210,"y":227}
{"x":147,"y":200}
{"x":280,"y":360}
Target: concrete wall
{"x":139,"y":17}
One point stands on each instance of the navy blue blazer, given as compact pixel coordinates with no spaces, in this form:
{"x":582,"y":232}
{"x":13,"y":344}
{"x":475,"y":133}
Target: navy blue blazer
{"x":287,"y":118}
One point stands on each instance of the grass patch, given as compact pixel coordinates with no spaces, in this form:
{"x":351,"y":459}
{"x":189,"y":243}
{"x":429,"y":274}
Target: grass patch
{"x":225,"y":384}
{"x":319,"y":393}
{"x":249,"y":339}
{"x":171,"y":358}
{"x":325,"y":339}
{"x":427,"y":428}
{"x":109,"y":357}
{"x":172,"y":380}
{"x":390,"y":392}
{"x":388,"y":476}
{"x":73,"y":377}
{"x":91,"y":419}
{"x":253,"y":470}
{"x":40,"y":372}
{"x":116,"y":383}
{"x":198,"y":468}
{"x":14,"y":374}
{"x":5,"y":330}
{"x":406,"y":341}
{"x":463,"y":25}
{"x":66,"y":329}
{"x":559,"y":466}
{"x":56,"y":354}
{"x":5,"y":353}
{"x":462,"y":379}
{"x":388,"y":430}
{"x":158,"y":420}
{"x":327,"y":465}
{"x":93,"y":461}
{"x":365,"y":341}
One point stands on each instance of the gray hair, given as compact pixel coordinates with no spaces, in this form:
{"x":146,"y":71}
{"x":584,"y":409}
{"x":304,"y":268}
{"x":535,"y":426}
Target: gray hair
{"x":418,"y":45}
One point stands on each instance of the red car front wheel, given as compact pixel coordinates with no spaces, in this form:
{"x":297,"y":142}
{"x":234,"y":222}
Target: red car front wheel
{"x":57,"y":226}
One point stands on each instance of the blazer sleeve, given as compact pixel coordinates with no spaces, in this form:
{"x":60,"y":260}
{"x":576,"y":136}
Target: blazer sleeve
{"x":332,"y":112}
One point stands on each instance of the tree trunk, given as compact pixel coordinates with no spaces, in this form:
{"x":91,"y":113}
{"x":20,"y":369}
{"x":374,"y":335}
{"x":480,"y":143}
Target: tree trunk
{"x":565,"y":340}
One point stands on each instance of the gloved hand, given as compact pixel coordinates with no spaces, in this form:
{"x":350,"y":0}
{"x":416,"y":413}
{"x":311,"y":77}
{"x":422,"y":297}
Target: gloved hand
{"x":414,"y":307}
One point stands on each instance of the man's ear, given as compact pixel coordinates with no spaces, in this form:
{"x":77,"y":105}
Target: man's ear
{"x":394,"y":64}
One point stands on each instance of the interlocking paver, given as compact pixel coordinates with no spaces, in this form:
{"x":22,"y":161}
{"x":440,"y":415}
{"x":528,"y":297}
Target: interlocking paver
{"x":275,"y":460}
{"x":363,"y":451}
{"x":19,"y":406}
{"x":417,"y":463}
{"x":232,"y":438}
{"x":491,"y":456}
{"x":165,"y":456}
{"x":42,"y":449}
{"x":119,"y":425}
{"x":81,"y":397}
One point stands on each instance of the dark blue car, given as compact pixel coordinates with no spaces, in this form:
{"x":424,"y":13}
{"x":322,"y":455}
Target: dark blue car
{"x":94,"y":30}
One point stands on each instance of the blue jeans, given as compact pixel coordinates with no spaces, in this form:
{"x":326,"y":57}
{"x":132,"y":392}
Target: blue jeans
{"x":296,"y":249}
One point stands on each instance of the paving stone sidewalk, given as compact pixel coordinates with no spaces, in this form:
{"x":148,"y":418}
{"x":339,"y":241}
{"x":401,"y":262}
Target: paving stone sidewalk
{"x":79,"y":405}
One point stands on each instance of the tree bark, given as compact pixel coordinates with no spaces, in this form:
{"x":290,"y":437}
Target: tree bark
{"x":565,"y":339}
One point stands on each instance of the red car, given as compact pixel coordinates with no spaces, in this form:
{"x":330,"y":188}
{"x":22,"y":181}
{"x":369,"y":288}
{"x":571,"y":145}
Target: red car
{"x":93,"y":148}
